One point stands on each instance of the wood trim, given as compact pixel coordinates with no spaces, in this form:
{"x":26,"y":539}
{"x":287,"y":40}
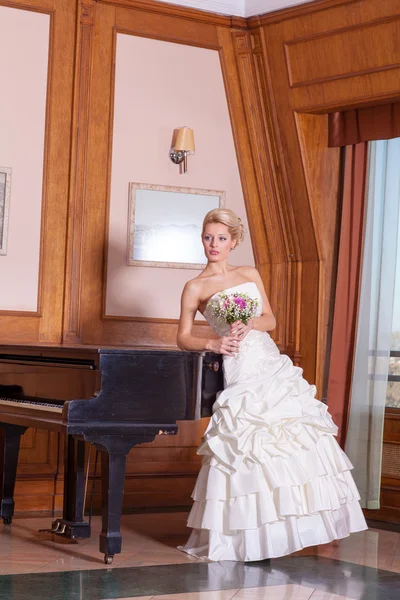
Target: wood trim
{"x":286,"y":264}
{"x":294,"y":265}
{"x":19,"y":313}
{"x":184,"y":12}
{"x":151,"y":333}
{"x":245,"y":156}
{"x":392,"y":414}
{"x":43,"y":6}
{"x":321,"y":164}
{"x":109,"y":172}
{"x":293,"y":46}
{"x":43,"y":228}
{"x":292,"y":12}
{"x":149,"y":320}
{"x":339,"y":30}
{"x":355,"y":102}
{"x":168,"y":28}
{"x":79,"y":157}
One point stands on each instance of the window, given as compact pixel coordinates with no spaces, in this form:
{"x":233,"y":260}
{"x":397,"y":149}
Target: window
{"x":393,"y":388}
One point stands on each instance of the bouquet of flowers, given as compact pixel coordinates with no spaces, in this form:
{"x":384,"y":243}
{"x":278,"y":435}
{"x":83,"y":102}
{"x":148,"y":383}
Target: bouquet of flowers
{"x":234,"y":307}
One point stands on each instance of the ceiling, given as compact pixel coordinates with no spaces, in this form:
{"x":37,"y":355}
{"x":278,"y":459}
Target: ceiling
{"x":241,"y":8}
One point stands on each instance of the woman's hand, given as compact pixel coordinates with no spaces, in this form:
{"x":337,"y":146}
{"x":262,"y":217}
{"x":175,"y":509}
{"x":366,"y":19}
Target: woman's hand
{"x":240,"y":330}
{"x":228,"y":345}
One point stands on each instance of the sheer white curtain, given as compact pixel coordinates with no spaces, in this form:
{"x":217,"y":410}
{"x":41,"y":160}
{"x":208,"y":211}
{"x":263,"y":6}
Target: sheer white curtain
{"x":374,"y":329}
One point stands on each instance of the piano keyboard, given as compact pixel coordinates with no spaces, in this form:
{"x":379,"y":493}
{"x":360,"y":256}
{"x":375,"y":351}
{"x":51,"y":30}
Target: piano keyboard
{"x":48,"y":406}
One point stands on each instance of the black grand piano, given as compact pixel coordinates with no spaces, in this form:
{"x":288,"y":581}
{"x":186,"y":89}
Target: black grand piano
{"x":143,"y":393}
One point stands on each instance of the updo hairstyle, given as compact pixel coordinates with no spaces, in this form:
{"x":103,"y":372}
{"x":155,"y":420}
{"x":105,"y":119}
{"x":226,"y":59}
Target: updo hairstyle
{"x":227,"y":217}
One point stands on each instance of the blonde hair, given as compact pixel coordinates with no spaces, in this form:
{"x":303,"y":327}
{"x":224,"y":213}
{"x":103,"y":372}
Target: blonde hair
{"x":227,"y":217}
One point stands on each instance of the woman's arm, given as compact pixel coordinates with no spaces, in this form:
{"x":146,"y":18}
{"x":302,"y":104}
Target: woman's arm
{"x":187,"y":341}
{"x":267,"y":320}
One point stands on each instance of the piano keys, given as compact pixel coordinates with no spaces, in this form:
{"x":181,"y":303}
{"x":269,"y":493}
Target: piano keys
{"x":143,"y":394}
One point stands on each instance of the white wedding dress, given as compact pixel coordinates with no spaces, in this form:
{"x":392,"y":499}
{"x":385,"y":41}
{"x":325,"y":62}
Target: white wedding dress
{"x":273,"y":479}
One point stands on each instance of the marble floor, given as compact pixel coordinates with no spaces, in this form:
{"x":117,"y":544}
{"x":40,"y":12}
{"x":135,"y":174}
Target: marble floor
{"x":39,"y":566}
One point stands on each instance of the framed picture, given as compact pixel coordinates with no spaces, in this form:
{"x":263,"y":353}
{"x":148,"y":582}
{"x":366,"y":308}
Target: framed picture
{"x":165,"y":225}
{"x":5,"y":188}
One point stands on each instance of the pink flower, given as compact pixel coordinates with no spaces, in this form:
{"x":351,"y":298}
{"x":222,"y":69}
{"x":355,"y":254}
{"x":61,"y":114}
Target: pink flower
{"x":240,"y":302}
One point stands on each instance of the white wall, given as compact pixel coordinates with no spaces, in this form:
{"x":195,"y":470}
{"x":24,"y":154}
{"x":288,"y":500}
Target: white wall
{"x":241,"y":8}
{"x":24,"y":47}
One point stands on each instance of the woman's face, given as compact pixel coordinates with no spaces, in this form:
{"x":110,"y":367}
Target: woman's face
{"x":217,"y":242}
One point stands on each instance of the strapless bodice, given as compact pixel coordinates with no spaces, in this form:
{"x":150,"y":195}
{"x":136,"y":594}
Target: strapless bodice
{"x":255,"y":350}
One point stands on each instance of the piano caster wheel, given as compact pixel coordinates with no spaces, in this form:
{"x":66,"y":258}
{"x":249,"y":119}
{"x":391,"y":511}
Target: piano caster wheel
{"x":108,"y":558}
{"x":7,"y":520}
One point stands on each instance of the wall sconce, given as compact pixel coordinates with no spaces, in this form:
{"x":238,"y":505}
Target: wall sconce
{"x":182,"y":145}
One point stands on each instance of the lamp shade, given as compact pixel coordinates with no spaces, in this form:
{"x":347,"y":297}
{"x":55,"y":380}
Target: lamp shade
{"x":185,"y":139}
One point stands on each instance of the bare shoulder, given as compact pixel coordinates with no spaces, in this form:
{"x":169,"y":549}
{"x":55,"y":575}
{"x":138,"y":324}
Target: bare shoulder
{"x":193,"y":288}
{"x":249,"y":272}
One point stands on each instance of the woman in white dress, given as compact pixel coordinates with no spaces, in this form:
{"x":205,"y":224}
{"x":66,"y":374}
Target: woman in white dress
{"x":273,"y":478}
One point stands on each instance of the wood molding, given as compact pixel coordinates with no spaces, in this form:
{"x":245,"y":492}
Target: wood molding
{"x":79,"y":157}
{"x":322,"y":164}
{"x":94,"y":201}
{"x":256,"y":116}
{"x":293,"y":277}
{"x":291,"y":12}
{"x":254,"y":168}
{"x":146,"y":333}
{"x":389,"y":511}
{"x":150,"y":320}
{"x":19,"y":313}
{"x":242,"y":141}
{"x":184,"y":12}
{"x":303,"y":71}
{"x":43,"y":6}
{"x":166,"y":28}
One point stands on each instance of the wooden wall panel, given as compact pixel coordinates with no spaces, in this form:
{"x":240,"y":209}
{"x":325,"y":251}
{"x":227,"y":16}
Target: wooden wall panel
{"x":390,"y":490}
{"x":321,"y":170}
{"x":165,"y":27}
{"x":45,"y":325}
{"x":304,"y":70}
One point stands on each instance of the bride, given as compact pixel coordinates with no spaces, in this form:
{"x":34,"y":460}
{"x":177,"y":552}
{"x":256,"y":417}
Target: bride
{"x":273,"y":478}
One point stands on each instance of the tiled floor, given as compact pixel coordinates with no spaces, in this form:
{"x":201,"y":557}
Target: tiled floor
{"x":37,"y":566}
{"x":275,"y":592}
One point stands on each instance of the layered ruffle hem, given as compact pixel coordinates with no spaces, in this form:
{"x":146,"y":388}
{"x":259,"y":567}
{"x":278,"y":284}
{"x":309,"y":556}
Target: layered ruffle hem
{"x":273,"y":479}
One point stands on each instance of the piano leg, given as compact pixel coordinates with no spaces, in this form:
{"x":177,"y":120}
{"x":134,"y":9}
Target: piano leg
{"x":112,"y":492}
{"x":9,"y":450}
{"x":113,"y":463}
{"x":73,"y":525}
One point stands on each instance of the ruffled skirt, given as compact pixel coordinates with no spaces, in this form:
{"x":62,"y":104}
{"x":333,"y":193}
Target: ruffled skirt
{"x":273,"y":479}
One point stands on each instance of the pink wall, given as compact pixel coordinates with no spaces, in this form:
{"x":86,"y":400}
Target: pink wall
{"x":160,"y":86}
{"x":24,"y":46}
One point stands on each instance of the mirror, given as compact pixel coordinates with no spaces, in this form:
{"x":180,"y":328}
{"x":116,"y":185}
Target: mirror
{"x":165,"y":225}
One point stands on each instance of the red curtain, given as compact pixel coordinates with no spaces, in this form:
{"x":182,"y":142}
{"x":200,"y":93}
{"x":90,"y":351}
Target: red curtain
{"x":364,"y":124}
{"x":347,"y":286}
